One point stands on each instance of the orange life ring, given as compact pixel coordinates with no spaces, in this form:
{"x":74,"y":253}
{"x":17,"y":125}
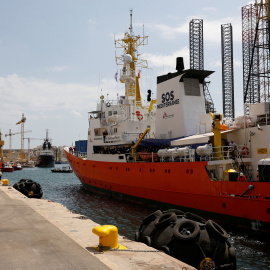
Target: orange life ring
{"x":140,"y":117}
{"x":245,"y":151}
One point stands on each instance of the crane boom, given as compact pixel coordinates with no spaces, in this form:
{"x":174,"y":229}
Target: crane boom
{"x":11,"y":134}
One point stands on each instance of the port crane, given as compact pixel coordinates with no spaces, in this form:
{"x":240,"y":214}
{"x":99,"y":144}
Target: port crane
{"x":21,"y":122}
{"x":1,"y":148}
{"x":11,"y":134}
{"x":29,"y":144}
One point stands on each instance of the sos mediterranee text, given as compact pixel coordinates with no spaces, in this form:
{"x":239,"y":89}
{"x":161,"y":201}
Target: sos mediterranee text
{"x":167,"y":100}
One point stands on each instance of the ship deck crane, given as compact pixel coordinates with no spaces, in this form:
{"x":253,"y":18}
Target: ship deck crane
{"x":11,"y":134}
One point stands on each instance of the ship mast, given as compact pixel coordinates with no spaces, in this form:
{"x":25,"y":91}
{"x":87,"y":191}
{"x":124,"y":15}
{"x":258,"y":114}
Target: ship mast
{"x":129,"y":74}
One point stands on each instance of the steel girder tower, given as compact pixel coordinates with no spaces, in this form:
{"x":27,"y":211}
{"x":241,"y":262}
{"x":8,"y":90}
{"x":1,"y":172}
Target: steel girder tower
{"x":227,"y":71}
{"x":257,"y":83}
{"x":197,"y":57}
{"x":196,"y":44}
{"x":250,"y":83}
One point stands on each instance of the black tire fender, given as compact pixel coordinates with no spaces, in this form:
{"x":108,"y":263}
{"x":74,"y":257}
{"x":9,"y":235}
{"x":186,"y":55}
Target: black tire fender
{"x":16,"y":185}
{"x":176,"y":211}
{"x":147,"y":240}
{"x":165,"y":219}
{"x":21,"y":186}
{"x":166,"y":250}
{"x":34,"y":187}
{"x":232,"y":257}
{"x":152,"y":217}
{"x":29,"y":182}
{"x":217,"y":229}
{"x":195,"y":217}
{"x":186,"y":230}
{"x":137,"y":236}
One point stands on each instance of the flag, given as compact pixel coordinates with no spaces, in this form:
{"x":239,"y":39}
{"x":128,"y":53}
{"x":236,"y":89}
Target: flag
{"x":116,"y":75}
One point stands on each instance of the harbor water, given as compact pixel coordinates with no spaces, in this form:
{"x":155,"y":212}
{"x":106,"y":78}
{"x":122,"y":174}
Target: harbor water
{"x":253,"y":250}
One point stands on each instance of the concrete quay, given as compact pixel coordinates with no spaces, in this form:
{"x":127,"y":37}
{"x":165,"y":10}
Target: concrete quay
{"x":41,"y":234}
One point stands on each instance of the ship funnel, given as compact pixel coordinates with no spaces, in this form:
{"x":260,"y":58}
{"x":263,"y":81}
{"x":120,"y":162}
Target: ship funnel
{"x":180,"y":63}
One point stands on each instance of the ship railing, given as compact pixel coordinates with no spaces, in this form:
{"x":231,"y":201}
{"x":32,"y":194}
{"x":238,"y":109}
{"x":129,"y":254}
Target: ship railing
{"x":247,"y":121}
{"x":46,"y":152}
{"x":80,"y":154}
{"x":228,"y":152}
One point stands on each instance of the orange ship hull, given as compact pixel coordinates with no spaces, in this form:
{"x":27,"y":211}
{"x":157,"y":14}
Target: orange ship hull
{"x":185,"y":185}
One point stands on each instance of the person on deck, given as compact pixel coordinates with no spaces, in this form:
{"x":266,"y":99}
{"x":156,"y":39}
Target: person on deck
{"x":241,"y":178}
{"x":233,"y":148}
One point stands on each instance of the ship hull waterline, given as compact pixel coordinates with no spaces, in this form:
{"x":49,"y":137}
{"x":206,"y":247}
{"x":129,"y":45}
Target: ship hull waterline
{"x":185,"y":186}
{"x":45,"y":161}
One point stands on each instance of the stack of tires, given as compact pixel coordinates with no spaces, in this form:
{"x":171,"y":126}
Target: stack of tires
{"x":29,"y":188}
{"x":189,"y":238}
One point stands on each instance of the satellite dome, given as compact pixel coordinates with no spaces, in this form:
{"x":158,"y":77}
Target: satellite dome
{"x":127,"y":59}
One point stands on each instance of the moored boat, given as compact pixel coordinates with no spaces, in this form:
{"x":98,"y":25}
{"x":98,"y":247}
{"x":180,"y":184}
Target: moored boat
{"x":65,"y":169}
{"x":18,"y":167}
{"x":198,"y":169}
{"x":46,"y":157}
{"x":8,"y":167}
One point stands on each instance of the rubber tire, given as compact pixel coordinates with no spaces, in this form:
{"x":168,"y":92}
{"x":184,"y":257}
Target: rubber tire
{"x":176,"y":211}
{"x":184,"y":223}
{"x":21,"y":186}
{"x":137,"y":236}
{"x":166,"y":250}
{"x":232,"y":257}
{"x":217,"y":229}
{"x":151,"y":217}
{"x":165,"y":219}
{"x":194,"y":217}
{"x":146,"y":240}
{"x":16,"y":185}
{"x":29,"y":182}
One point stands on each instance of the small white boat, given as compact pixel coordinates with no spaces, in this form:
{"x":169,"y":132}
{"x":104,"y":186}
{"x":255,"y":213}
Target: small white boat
{"x":65,"y":169}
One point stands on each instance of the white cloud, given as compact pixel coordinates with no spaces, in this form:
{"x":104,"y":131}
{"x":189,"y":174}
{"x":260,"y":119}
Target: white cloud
{"x":41,"y":98}
{"x":216,"y":63}
{"x":92,"y":21}
{"x":168,"y":62}
{"x":169,"y":32}
{"x":76,"y":113}
{"x":46,"y":104}
{"x":211,"y":29}
{"x":211,"y":9}
{"x":58,"y":68}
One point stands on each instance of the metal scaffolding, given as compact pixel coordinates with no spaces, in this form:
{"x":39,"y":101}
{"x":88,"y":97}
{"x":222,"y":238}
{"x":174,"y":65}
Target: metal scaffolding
{"x":197,"y":57}
{"x":256,"y":66}
{"x":249,"y":17}
{"x":227,"y":71}
{"x":196,"y":44}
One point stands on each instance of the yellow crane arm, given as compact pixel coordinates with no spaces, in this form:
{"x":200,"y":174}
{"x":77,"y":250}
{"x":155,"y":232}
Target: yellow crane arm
{"x":153,"y":101}
{"x":134,"y":147}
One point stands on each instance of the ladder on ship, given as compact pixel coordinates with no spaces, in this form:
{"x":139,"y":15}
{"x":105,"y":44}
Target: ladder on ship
{"x":240,"y":167}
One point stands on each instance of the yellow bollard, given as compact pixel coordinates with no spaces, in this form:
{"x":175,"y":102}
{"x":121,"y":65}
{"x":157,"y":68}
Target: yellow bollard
{"x":4,"y":182}
{"x":108,"y":237}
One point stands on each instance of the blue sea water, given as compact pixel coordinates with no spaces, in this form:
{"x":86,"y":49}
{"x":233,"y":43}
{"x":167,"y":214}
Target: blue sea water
{"x":253,"y":250}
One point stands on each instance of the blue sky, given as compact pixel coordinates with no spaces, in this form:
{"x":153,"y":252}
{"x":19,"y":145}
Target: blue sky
{"x":57,"y":55}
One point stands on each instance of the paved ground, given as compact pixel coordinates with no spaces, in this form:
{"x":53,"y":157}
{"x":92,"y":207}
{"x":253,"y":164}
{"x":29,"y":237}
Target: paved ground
{"x":40,"y":234}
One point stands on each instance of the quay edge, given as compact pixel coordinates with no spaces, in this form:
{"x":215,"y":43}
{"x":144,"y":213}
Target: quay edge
{"x":74,"y":227}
